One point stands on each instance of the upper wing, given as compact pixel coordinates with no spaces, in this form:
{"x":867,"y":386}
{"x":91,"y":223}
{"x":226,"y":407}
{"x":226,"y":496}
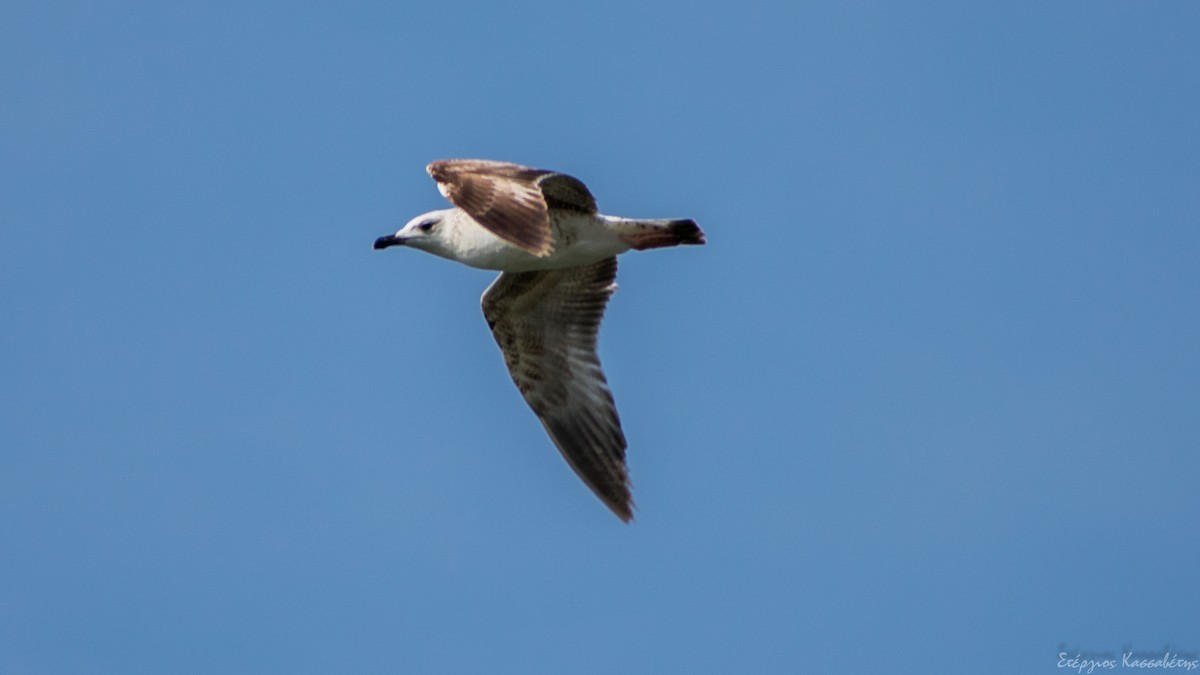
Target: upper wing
{"x":511,"y":200}
{"x":546,"y":323}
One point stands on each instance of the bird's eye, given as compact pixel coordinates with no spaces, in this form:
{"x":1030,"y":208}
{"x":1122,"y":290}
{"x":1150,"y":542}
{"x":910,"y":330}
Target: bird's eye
{"x":425,"y":226}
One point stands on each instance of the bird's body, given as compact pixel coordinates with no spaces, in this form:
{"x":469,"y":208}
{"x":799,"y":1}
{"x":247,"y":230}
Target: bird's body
{"x":579,"y":239}
{"x":557,"y":254}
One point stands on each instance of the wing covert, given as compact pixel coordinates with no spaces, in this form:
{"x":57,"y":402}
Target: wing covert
{"x":511,"y":200}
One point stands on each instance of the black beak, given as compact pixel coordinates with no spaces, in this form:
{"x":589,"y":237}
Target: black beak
{"x":389,"y":240}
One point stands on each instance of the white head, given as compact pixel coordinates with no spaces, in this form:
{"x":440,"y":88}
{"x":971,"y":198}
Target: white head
{"x":430,"y":232}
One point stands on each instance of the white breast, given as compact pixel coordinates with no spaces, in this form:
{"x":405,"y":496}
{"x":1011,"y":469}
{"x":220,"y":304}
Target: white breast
{"x":580,"y":239}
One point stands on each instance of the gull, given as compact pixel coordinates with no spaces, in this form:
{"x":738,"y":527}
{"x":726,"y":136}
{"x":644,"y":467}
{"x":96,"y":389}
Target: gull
{"x":557,"y":257}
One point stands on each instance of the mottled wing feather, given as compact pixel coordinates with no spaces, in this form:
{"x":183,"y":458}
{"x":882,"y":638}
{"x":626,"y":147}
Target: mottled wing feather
{"x":511,"y":200}
{"x":546,"y":324}
{"x":566,"y":192}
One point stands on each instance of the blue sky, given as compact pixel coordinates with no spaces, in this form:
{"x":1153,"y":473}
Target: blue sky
{"x":929,"y":400}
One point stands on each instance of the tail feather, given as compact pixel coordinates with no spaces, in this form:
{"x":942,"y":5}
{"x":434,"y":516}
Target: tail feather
{"x":663,"y":233}
{"x":687,"y":231}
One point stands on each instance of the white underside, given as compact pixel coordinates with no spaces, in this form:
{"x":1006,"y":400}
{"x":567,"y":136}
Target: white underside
{"x":580,"y":240}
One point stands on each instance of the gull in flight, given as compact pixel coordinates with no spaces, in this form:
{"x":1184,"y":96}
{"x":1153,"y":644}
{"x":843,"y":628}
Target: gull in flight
{"x":557,"y":255}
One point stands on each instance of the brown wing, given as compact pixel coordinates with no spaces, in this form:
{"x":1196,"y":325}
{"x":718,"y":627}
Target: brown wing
{"x":546,"y":323}
{"x":511,"y":200}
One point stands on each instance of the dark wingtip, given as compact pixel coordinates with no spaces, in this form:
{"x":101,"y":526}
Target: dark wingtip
{"x":620,"y":504}
{"x":626,"y":516}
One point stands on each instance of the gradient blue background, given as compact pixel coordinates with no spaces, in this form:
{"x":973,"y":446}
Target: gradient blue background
{"x":929,"y":401}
